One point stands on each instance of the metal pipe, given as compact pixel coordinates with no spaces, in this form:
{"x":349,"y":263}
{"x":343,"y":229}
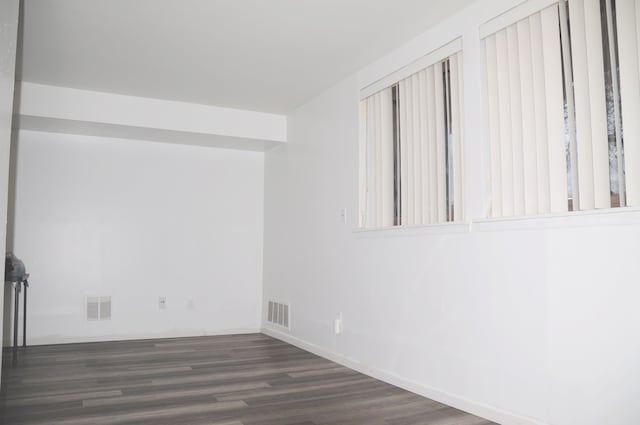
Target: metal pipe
{"x":24,"y":314}
{"x":16,"y":305}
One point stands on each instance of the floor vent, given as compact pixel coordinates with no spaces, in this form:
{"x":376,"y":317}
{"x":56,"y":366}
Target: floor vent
{"x":278,"y":314}
{"x":98,"y":308}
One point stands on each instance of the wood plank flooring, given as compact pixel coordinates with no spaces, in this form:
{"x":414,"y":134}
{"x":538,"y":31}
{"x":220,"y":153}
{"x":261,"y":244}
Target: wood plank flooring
{"x":221,"y":380}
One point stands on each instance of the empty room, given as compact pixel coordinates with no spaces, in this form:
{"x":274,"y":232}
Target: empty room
{"x":320,"y":212}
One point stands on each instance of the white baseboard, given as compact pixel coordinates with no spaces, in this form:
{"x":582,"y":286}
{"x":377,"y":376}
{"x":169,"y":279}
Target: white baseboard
{"x":65,"y":339}
{"x":479,"y":409}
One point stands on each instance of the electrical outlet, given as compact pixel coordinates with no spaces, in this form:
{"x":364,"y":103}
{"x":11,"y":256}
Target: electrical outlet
{"x":343,"y":216}
{"x":190,"y":305}
{"x":162,"y":303}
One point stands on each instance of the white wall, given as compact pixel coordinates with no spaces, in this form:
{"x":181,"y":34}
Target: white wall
{"x":522,"y":321}
{"x":138,"y":220}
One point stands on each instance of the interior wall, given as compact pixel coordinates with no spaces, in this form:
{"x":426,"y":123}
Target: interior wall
{"x":521,"y":321}
{"x":524,"y":322}
{"x":138,"y":220}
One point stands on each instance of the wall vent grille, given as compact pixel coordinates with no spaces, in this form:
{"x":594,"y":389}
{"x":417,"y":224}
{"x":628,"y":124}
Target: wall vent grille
{"x":278,"y":314}
{"x":98,"y":308}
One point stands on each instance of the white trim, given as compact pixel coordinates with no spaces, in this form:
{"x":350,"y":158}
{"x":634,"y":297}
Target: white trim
{"x":419,"y":229}
{"x":623,"y":216}
{"x":177,"y":333}
{"x":591,"y":218}
{"x":479,"y":409}
{"x":513,"y":15}
{"x":427,"y":60}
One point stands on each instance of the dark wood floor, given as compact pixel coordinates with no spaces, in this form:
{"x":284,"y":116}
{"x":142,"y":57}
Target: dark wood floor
{"x":221,"y":380}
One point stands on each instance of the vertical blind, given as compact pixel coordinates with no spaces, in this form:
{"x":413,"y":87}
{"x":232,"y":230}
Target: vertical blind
{"x":526,"y":110}
{"x":378,"y":137}
{"x":590,"y":101}
{"x":628,"y":22}
{"x":564,"y":127}
{"x":411,"y":141}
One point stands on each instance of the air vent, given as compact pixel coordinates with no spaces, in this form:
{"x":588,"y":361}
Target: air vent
{"x":98,"y":308}
{"x":93,"y":308}
{"x":278,"y":314}
{"x":105,"y":308}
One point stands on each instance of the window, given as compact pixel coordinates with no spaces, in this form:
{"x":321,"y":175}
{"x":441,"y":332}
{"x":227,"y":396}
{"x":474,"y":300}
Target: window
{"x":564,"y":100}
{"x":411,"y":147}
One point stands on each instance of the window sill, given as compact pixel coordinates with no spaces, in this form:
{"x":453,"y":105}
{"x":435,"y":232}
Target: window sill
{"x":415,"y":230}
{"x":603,"y":217}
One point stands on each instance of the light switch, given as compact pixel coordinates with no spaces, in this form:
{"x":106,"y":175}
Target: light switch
{"x":343,"y":215}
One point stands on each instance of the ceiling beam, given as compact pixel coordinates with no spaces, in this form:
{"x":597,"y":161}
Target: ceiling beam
{"x":66,"y":110}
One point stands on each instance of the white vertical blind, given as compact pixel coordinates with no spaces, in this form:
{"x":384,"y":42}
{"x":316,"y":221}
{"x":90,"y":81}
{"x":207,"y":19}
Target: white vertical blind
{"x":552,"y":58}
{"x":549,"y":109}
{"x":526,"y":117}
{"x":417,"y":148}
{"x":378,"y":157}
{"x":377,"y":111}
{"x":422,"y":156}
{"x":529,"y":166}
{"x":404,"y":155}
{"x":410,"y":183}
{"x":556,"y":104}
{"x":540,"y":115}
{"x":385,"y":141}
{"x":414,"y":119}
{"x":600,"y":139}
{"x":431,"y":143}
{"x":372,"y":218}
{"x":425,"y":203}
{"x":628,"y":21}
{"x":408,"y":165}
{"x":457,"y":105}
{"x":591,"y":113}
{"x":424,"y":146}
{"x":437,"y":55}
{"x":441,"y":140}
{"x":494,"y":126}
{"x":516,"y":120}
{"x":504,"y":119}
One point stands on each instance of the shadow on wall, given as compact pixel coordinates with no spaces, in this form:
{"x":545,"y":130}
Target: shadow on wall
{"x":7,"y":310}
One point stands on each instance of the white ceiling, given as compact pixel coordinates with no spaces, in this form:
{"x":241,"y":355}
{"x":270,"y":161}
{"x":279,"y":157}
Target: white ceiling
{"x":262,"y":55}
